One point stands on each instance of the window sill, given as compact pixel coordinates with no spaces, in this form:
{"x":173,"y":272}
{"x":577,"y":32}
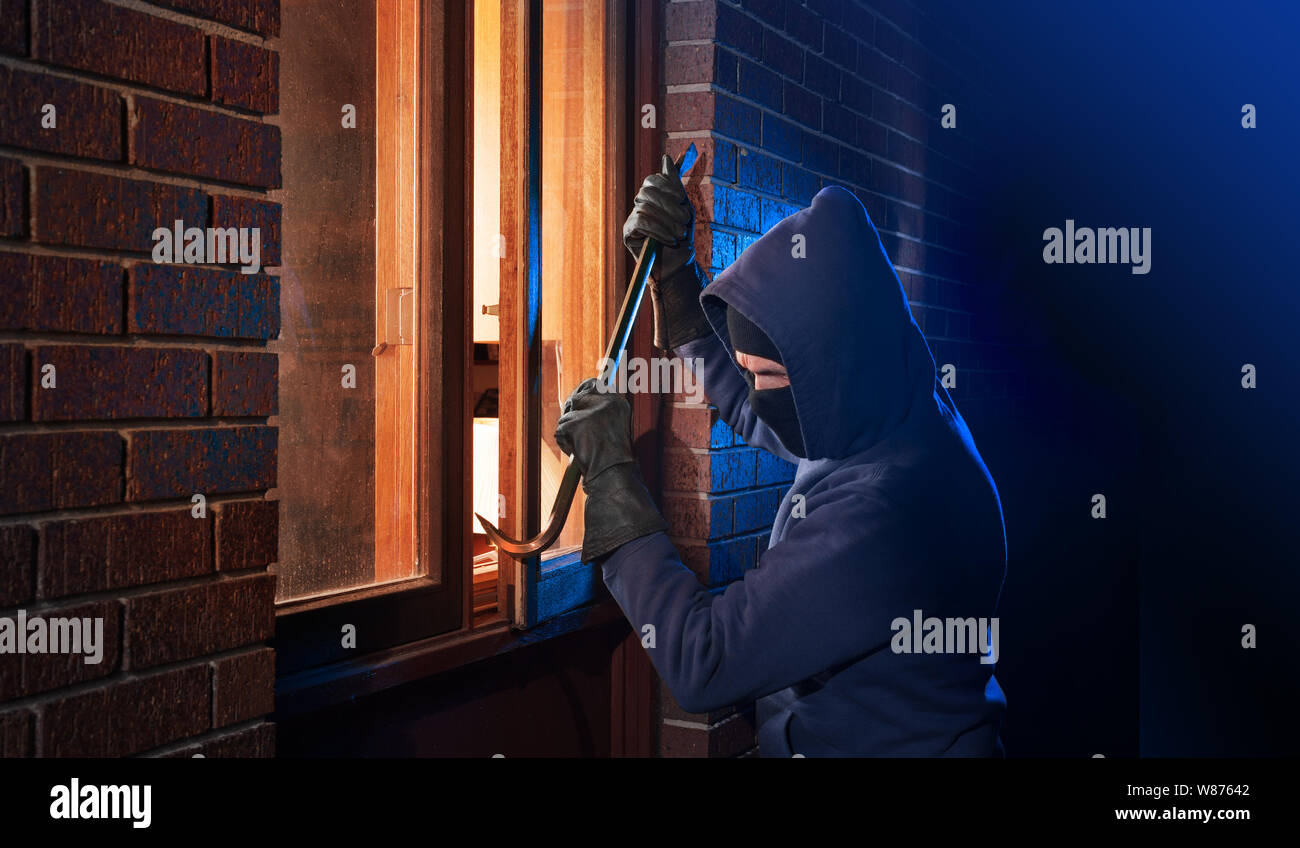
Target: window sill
{"x":340,"y":682}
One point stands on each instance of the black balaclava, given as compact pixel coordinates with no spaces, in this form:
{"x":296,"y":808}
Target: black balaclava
{"x":775,"y":407}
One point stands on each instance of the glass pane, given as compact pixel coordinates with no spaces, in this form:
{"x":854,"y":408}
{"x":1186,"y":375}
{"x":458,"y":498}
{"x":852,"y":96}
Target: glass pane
{"x":488,"y":247}
{"x":331,"y":386}
{"x":575,"y":220}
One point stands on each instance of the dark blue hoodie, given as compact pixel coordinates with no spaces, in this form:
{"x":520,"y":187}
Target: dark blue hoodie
{"x":892,"y":512}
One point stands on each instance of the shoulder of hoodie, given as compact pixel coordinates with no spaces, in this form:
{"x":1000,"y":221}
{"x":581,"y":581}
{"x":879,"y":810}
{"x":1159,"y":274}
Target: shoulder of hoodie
{"x":902,"y":481}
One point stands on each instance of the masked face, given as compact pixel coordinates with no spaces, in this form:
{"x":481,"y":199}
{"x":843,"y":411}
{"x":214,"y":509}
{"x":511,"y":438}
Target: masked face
{"x":770,"y":395}
{"x":772,"y":399}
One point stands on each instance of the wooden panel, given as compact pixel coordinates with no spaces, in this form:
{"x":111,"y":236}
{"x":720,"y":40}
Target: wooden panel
{"x":634,"y":684}
{"x":397,"y":220}
{"x":520,"y":351}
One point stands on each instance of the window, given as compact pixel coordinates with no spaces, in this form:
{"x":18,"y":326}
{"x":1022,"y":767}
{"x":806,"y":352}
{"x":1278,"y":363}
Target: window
{"x":451,"y":255}
{"x":372,"y":305}
{"x":545,"y":263}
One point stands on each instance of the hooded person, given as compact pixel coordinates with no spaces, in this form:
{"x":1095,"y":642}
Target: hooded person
{"x":865,"y":627}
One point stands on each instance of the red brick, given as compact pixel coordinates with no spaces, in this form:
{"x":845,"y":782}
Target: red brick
{"x":44,"y":471}
{"x":43,"y":672}
{"x":13,"y":380}
{"x":95,"y":210}
{"x":230,"y":211}
{"x":690,"y":21}
{"x":179,"y":463}
{"x":175,"y":624}
{"x":244,"y":75}
{"x":172,"y":299}
{"x":88,"y":119}
{"x":772,"y":469}
{"x":703,"y":471}
{"x":17,"y":552}
{"x":15,"y":734}
{"x":259,"y":16}
{"x":739,"y":31}
{"x":243,"y":687}
{"x":59,"y":294}
{"x":721,"y":562}
{"x":13,"y":184}
{"x":13,"y":27}
{"x":196,"y":142}
{"x":94,"y":554}
{"x":248,"y":534}
{"x":688,"y":63}
{"x":91,"y":35}
{"x":128,"y":716}
{"x":99,"y":383}
{"x":695,"y":516}
{"x":755,"y":510}
{"x":245,"y":383}
{"x":257,"y":742}
{"x":695,"y":426}
{"x":689,"y":111}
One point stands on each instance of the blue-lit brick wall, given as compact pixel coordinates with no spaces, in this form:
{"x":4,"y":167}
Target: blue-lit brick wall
{"x":784,"y":98}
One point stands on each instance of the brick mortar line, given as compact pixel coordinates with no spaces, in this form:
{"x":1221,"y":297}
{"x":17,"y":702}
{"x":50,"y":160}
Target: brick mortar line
{"x":698,"y":451}
{"x":36,"y":520}
{"x":63,"y":693}
{"x":127,"y":426}
{"x":126,"y":88}
{"x":213,"y":734}
{"x":123,"y":170}
{"x":688,"y":725}
{"x":136,"y":340}
{"x":206,"y":25}
{"x":125,"y":593}
{"x":705,"y":497}
{"x":707,"y":725}
{"x":124,"y":258}
{"x":764,"y":532}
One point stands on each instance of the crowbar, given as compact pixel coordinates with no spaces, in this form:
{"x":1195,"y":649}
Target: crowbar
{"x":613,"y":354}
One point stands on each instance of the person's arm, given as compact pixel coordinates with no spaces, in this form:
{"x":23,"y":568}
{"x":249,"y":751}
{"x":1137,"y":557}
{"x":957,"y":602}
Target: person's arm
{"x":818,"y":598}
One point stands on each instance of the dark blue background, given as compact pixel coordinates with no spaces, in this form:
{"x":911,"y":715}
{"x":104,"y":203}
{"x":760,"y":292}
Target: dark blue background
{"x":1123,"y":637}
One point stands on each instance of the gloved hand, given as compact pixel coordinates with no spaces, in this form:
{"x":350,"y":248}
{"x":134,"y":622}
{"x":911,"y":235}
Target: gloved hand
{"x":663,"y":212}
{"x":593,"y":429}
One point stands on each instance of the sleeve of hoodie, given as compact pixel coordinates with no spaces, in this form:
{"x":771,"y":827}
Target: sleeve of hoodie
{"x":711,"y":362}
{"x":818,"y":598}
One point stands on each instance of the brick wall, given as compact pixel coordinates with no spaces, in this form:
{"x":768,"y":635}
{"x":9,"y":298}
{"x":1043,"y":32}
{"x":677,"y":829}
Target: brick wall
{"x":784,"y":98}
{"x":163,"y":387}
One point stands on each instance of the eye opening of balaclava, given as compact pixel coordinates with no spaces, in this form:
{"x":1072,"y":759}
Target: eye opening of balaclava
{"x":775,"y":407}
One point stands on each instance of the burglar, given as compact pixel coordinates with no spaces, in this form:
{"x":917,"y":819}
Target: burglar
{"x":809,"y":351}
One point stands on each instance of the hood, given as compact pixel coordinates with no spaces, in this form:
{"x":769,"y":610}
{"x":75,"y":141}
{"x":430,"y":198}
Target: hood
{"x":821,"y":287}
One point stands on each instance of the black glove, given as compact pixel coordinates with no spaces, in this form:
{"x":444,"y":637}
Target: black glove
{"x":593,"y":429}
{"x":663,"y":212}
